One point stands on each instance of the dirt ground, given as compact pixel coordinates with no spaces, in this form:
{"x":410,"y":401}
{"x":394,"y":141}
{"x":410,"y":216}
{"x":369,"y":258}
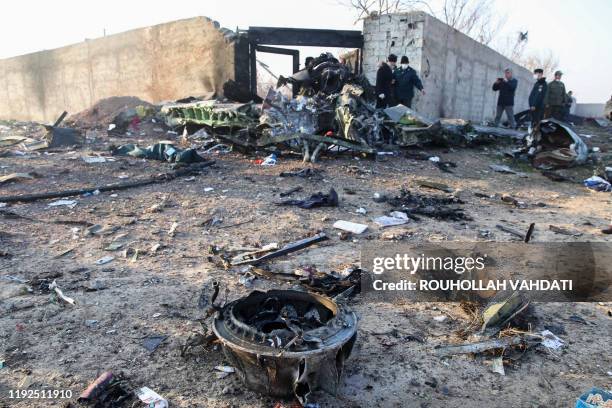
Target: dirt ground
{"x":47,"y":344}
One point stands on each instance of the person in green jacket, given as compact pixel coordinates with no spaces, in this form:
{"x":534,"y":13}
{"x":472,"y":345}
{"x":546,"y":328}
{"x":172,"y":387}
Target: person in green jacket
{"x":555,"y":98}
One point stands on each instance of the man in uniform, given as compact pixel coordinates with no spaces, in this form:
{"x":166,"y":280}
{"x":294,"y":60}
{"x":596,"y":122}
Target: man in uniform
{"x":555,"y":98}
{"x":536,"y":97}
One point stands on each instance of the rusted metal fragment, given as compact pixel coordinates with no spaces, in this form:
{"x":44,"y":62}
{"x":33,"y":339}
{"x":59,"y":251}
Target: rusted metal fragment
{"x":287,"y":343}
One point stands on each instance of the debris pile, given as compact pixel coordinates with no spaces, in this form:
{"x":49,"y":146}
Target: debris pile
{"x":335,"y":112}
{"x":503,"y":331}
{"x":414,"y":204}
{"x":554,"y":144}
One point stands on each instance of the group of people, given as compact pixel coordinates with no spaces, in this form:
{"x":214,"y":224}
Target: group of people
{"x":546,"y":100}
{"x":395,"y":85}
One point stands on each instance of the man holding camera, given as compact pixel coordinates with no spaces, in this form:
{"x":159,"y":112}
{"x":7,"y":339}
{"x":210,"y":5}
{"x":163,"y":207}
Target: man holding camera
{"x":506,"y":87}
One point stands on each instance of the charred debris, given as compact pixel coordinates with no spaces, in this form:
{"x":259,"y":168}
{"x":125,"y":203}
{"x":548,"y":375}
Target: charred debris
{"x":332,"y":111}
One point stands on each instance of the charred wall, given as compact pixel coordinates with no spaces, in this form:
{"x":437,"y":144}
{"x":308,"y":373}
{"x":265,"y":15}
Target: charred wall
{"x":162,"y":62}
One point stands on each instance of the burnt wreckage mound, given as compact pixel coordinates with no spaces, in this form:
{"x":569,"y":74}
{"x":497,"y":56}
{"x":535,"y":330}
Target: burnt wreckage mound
{"x":287,"y":343}
{"x":414,"y":204}
{"x":334,"y":111}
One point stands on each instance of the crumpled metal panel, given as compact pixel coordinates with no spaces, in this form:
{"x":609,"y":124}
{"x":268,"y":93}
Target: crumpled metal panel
{"x":210,"y":113}
{"x":282,"y":115}
{"x":554,"y":144}
{"x":358,"y":121}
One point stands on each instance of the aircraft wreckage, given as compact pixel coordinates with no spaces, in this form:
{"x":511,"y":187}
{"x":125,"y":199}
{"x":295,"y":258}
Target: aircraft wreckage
{"x":334,"y":111}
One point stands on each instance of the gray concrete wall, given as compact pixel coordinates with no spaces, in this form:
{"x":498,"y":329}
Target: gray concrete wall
{"x":590,"y":110}
{"x":457,"y":71}
{"x":157,"y":63}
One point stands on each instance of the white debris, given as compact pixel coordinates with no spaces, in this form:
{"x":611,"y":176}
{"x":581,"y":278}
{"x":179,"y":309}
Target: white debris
{"x":498,"y":366}
{"x":151,"y":398}
{"x":105,"y":260}
{"x":395,"y":218}
{"x":60,"y":294}
{"x":224,"y":371}
{"x":208,"y":189}
{"x":172,"y":229}
{"x":94,"y":159}
{"x":353,"y":227}
{"x":551,"y":341}
{"x":111,"y":126}
{"x":67,"y":203}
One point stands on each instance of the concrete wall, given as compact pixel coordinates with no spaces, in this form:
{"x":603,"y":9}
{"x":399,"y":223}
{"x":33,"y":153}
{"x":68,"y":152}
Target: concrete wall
{"x":457,"y":71}
{"x":590,"y":110}
{"x":157,"y":63}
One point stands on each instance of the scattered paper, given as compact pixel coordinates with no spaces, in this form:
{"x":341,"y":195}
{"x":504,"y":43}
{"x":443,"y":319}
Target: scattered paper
{"x":551,"y":341}
{"x":350,"y":226}
{"x":395,"y":218}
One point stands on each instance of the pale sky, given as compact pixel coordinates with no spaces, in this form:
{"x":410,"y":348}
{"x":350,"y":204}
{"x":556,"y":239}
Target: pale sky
{"x":578,"y":32}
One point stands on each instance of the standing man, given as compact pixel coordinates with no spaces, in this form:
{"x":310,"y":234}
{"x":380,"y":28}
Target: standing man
{"x":384,"y":82}
{"x":406,"y":79}
{"x":570,"y":106}
{"x":608,"y":109}
{"x":536,"y":97}
{"x":505,"y":102}
{"x":308,"y":62}
{"x":572,"y":101}
{"x":555,"y":98}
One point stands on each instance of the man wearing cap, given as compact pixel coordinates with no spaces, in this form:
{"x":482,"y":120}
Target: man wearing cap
{"x":384,"y":82}
{"x":505,"y":102}
{"x":555,"y":98}
{"x":536,"y":97}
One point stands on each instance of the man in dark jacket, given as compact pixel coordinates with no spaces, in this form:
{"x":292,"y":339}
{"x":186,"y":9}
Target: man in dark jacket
{"x":505,"y":102}
{"x":384,"y":82}
{"x":536,"y":97}
{"x":406,"y":79}
{"x":555,"y":98}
